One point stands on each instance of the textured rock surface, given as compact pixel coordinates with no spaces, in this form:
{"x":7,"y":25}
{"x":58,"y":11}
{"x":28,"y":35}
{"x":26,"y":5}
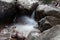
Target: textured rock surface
{"x":26,"y":7}
{"x":45,"y":10}
{"x":27,"y":3}
{"x":33,"y":36}
{"x":48,"y":22}
{"x":50,"y":34}
{"x":7,"y":11}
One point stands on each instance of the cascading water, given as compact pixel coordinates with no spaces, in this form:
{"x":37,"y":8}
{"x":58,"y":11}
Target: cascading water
{"x":33,"y":15}
{"x":27,"y":26}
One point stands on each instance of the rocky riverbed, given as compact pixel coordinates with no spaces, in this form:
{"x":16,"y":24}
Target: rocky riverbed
{"x":29,"y":20}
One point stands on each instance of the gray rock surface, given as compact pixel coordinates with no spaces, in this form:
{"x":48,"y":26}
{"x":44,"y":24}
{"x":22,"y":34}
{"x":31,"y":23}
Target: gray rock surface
{"x":26,"y":7}
{"x":27,"y":3}
{"x":47,"y":22}
{"x":50,"y":34}
{"x":45,"y":10}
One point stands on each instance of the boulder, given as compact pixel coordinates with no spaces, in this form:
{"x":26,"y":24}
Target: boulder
{"x":47,"y":22}
{"x":26,"y":7}
{"x":7,"y":12}
{"x":52,"y":34}
{"x":27,"y":3}
{"x":46,"y":10}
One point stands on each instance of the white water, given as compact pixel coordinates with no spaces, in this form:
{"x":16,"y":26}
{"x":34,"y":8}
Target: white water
{"x":33,"y":15}
{"x":26,"y":28}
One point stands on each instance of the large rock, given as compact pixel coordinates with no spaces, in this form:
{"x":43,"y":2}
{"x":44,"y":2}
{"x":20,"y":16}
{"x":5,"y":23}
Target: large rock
{"x":50,"y":34}
{"x":7,"y":12}
{"x":45,"y":10}
{"x":27,"y":3}
{"x":26,"y":7}
{"x":55,"y":3}
{"x":47,"y":22}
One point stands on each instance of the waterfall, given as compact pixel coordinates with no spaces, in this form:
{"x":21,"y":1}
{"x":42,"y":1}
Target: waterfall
{"x":28,"y":21}
{"x":33,"y":15}
{"x":27,"y":25}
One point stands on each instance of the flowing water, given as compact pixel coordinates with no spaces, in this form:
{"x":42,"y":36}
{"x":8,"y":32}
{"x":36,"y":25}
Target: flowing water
{"x":33,"y":15}
{"x":27,"y":26}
